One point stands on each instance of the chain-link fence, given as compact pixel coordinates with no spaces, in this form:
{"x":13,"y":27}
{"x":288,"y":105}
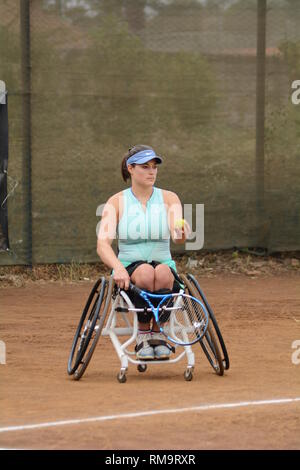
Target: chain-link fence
{"x":207,"y":83}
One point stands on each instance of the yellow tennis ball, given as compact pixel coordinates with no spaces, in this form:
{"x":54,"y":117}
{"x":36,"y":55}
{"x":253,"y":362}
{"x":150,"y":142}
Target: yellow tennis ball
{"x":179,"y":223}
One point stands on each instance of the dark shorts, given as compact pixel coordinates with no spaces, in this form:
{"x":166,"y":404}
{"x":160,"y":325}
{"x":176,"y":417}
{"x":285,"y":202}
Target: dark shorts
{"x":145,"y":317}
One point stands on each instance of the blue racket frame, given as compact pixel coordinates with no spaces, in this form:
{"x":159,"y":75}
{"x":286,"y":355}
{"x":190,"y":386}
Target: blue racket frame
{"x":155,"y":310}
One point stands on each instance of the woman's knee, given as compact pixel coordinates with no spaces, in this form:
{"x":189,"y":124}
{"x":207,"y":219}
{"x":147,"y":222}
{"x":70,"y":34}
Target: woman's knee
{"x":143,"y":277}
{"x":163,"y":277}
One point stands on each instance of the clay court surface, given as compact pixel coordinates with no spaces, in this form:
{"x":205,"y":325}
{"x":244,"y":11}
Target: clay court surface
{"x":259,"y":319}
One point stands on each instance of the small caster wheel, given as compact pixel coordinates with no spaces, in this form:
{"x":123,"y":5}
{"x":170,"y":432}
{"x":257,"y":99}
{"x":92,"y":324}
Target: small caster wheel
{"x":121,"y":377}
{"x":188,"y":375}
{"x":142,"y":367}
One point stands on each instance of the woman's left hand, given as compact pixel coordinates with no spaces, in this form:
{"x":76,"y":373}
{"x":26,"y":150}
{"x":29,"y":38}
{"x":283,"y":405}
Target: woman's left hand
{"x":182,"y":233}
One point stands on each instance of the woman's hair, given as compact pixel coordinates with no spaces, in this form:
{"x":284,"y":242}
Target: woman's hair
{"x":131,"y":151}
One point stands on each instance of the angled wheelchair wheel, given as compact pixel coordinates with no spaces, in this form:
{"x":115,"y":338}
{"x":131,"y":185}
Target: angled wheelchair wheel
{"x":86,"y":330}
{"x":211,"y":350}
{"x":101,"y":313}
{"x":214,"y":327}
{"x":208,"y":342}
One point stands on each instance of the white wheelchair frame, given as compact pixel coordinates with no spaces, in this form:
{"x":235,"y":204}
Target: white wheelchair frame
{"x":96,"y":322}
{"x":121,"y":307}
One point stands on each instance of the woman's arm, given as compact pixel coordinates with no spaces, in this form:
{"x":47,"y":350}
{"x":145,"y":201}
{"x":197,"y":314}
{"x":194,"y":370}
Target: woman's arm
{"x":179,"y":233}
{"x":106,"y":235}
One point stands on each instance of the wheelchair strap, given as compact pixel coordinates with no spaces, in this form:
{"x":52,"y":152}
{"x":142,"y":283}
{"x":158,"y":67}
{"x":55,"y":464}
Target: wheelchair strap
{"x":138,"y":347}
{"x":161,"y":342}
{"x":155,"y":342}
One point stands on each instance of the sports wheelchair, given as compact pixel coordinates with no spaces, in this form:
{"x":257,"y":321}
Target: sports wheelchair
{"x":110,"y":311}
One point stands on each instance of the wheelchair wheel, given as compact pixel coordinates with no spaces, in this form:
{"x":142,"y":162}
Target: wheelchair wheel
{"x":86,"y":326}
{"x":101,"y":317}
{"x":215,"y":327}
{"x":210,"y":348}
{"x":208,"y":342}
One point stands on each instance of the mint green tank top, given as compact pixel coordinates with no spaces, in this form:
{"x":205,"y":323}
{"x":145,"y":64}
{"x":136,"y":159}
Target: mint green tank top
{"x":144,"y":235}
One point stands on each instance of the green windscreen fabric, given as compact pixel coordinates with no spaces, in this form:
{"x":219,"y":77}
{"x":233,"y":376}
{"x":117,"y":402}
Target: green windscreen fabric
{"x":180,"y":76}
{"x":4,"y":242}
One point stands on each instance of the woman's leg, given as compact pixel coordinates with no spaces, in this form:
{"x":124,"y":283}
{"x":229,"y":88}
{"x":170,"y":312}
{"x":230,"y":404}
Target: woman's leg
{"x":163,"y":279}
{"x":143,"y":277}
{"x":152,"y":279}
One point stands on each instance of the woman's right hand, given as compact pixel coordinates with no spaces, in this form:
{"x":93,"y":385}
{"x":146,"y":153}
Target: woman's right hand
{"x":121,"y":277}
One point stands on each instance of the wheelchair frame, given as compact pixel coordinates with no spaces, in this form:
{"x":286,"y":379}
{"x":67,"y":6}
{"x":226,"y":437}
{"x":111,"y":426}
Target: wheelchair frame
{"x":122,"y":305}
{"x":93,"y":323}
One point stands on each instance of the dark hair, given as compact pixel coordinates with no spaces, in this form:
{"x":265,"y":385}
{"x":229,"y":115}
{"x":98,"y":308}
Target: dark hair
{"x":131,"y":151}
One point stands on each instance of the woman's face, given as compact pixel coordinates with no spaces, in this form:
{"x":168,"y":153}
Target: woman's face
{"x":144,"y":174}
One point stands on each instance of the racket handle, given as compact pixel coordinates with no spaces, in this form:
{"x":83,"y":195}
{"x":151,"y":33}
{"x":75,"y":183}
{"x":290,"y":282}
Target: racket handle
{"x":134,"y":288}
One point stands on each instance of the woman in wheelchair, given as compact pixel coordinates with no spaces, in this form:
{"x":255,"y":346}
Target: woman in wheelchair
{"x":143,"y":218}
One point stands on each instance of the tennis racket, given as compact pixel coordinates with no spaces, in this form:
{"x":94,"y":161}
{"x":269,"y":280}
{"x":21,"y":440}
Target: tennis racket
{"x":183,"y":319}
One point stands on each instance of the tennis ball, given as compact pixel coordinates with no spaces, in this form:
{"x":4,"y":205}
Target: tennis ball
{"x":179,"y":223}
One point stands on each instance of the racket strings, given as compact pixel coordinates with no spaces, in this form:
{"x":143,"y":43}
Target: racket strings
{"x":185,"y":317}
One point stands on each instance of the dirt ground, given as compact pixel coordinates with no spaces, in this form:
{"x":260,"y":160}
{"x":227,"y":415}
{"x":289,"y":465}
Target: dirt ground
{"x":260,"y":320}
